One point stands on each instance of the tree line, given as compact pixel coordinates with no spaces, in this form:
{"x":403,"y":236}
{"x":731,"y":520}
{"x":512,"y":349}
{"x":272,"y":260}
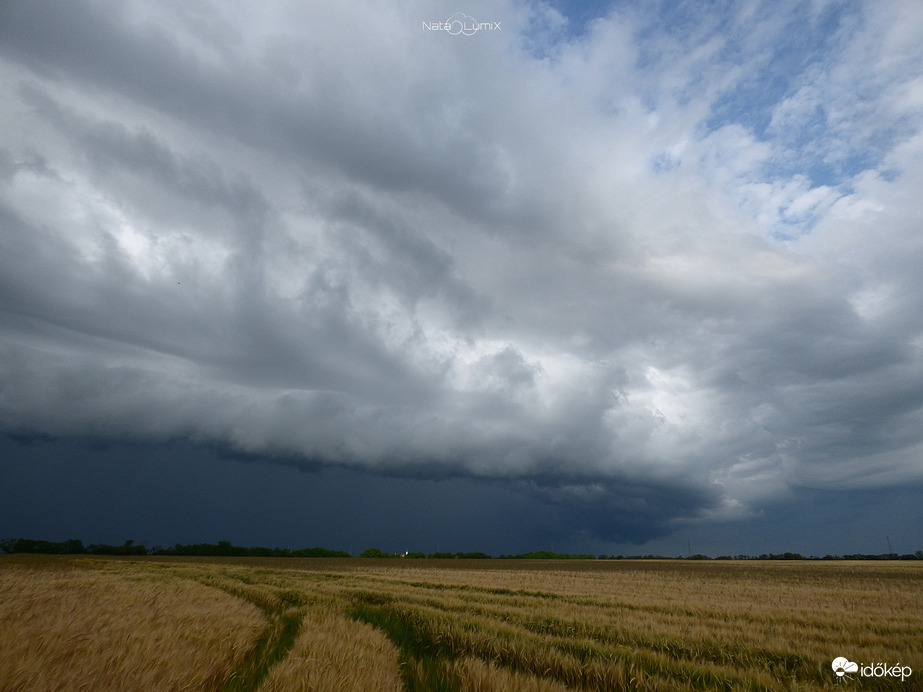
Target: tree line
{"x":220,"y":549}
{"x":227,"y":549}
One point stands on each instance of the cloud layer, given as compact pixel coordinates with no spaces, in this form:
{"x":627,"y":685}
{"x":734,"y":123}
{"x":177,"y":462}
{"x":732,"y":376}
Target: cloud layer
{"x":663,"y":267}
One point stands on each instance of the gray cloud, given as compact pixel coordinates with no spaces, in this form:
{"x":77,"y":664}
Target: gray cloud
{"x":322,"y":235}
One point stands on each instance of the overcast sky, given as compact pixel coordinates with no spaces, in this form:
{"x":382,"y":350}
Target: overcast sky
{"x":620,"y":277}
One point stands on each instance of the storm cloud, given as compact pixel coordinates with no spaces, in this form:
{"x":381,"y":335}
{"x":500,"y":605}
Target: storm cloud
{"x":653,"y":268}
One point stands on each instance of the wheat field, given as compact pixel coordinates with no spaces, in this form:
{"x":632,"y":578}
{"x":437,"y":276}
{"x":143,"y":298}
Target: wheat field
{"x":118,"y":629}
{"x":541,"y":626}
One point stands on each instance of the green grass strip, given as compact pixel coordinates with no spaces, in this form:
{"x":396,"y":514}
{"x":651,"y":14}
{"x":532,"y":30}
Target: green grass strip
{"x":425,"y":664}
{"x":271,"y":648}
{"x":284,"y":616}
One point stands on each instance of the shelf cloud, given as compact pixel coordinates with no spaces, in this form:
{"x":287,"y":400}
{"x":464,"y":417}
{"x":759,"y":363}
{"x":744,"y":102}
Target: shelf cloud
{"x":653,"y":276}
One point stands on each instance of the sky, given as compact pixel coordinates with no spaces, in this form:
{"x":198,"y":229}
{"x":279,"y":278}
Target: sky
{"x":608,"y":277}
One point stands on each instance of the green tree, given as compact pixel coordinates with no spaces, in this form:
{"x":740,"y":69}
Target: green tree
{"x":374,"y":552}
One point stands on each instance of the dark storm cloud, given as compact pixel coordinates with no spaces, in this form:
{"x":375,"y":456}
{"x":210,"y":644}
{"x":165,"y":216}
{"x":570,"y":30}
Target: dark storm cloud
{"x":107,"y":491}
{"x":320,"y":235}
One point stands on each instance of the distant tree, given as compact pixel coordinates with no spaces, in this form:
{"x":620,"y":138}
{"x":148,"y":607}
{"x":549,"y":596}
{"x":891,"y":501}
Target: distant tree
{"x":27,"y":545}
{"x":228,"y":549}
{"x":374,"y":552}
{"x":73,"y":547}
{"x":319,"y":552}
{"x":127,"y":548}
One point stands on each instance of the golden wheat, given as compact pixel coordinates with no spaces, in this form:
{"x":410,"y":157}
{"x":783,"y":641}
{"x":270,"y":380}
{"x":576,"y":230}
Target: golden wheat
{"x":333,"y":652}
{"x":88,"y":630}
{"x":477,"y":676}
{"x":469,"y":626}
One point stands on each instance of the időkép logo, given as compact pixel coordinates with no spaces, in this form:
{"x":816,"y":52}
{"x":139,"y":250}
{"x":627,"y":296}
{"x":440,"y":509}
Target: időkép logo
{"x":842,"y":666}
